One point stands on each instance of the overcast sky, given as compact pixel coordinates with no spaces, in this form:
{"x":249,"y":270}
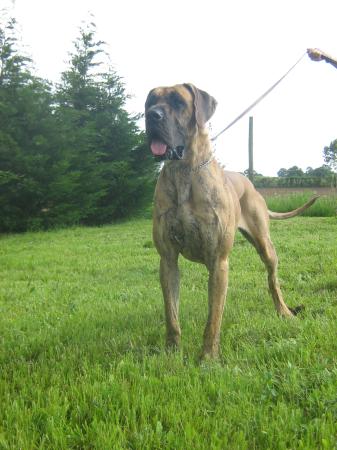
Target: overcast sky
{"x":234,"y":49}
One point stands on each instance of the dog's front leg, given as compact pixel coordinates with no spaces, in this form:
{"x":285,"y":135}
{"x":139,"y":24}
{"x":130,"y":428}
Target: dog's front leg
{"x":217,"y":289}
{"x":169,"y":279}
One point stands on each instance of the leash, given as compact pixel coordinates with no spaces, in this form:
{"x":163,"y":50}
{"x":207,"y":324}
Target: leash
{"x":314,"y":54}
{"x":214,"y":138}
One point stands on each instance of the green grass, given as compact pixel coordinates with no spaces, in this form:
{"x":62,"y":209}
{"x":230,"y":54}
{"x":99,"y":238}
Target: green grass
{"x":82,"y":358}
{"x":325,"y":206}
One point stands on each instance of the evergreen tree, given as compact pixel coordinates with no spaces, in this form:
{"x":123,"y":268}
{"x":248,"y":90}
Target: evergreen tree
{"x":26,"y":123}
{"x":98,"y":175}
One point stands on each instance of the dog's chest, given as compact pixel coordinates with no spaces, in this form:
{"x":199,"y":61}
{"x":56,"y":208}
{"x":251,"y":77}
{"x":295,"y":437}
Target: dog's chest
{"x":194,"y":224}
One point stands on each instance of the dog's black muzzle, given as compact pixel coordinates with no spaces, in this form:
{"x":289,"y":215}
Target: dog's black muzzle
{"x":157,"y":127}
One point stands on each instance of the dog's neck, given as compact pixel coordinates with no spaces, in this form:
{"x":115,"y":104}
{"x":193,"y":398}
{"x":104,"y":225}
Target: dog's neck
{"x":199,"y":149}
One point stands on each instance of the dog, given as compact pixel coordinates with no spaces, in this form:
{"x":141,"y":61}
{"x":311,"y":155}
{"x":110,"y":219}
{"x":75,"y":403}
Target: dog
{"x":198,"y":206}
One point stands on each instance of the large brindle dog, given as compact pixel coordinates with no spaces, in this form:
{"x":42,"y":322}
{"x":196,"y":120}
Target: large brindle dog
{"x":199,"y":206}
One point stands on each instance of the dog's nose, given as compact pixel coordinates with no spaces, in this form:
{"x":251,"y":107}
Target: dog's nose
{"x":155,"y":114}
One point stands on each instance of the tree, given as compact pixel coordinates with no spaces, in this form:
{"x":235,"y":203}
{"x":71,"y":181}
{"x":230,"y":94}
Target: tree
{"x":98,"y":179}
{"x":282,"y":172}
{"x":330,"y":155}
{"x":25,"y":117}
{"x":295,"y":171}
{"x":255,"y":174}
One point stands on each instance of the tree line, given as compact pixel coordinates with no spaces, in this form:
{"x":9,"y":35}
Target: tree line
{"x":323,"y":176}
{"x":70,"y":153}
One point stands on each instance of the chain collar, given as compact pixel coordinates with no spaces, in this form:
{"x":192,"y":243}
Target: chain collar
{"x":203,"y":164}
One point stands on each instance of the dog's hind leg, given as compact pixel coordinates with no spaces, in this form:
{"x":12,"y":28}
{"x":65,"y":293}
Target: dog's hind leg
{"x":266,"y":250}
{"x":169,"y":279}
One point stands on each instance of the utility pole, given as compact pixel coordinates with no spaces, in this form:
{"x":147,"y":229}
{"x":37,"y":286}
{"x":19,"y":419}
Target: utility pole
{"x":250,"y":151}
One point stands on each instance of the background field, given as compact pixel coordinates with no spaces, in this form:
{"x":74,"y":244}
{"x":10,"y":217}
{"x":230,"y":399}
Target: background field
{"x":82,"y":359}
{"x":286,"y":199}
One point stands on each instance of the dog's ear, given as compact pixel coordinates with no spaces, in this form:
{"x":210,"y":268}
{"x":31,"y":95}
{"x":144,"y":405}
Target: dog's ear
{"x":148,"y":97}
{"x":204,"y":104}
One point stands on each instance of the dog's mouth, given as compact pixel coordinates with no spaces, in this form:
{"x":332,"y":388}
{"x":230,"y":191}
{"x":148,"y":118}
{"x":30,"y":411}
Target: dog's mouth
{"x":163,"y":151}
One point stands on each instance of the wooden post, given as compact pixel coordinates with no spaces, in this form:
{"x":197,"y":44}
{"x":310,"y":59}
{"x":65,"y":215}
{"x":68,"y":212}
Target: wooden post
{"x":250,"y":151}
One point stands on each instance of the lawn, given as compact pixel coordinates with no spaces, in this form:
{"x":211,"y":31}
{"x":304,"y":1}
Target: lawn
{"x":82,"y":357}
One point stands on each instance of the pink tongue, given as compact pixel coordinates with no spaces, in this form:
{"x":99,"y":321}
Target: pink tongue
{"x":158,"y":148}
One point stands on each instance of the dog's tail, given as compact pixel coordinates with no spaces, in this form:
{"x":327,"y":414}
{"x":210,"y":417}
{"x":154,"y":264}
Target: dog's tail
{"x":294,"y":212}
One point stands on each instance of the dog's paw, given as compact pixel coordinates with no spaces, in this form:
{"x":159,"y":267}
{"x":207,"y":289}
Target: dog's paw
{"x":173,"y":343}
{"x":297,"y":309}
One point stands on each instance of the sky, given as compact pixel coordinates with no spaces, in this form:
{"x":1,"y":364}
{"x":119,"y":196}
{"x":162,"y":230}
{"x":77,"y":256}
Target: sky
{"x":233,"y":49}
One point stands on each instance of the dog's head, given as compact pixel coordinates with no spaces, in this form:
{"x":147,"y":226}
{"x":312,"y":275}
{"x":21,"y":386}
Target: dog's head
{"x":173,"y":116}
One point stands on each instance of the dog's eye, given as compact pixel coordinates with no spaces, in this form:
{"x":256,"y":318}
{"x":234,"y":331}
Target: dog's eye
{"x":176,"y":101}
